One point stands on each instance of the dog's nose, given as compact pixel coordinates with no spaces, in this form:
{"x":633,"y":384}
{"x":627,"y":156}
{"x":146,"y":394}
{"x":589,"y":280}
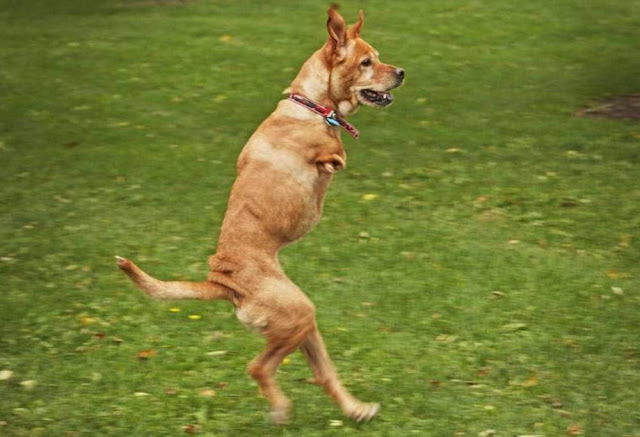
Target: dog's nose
{"x":399,"y":73}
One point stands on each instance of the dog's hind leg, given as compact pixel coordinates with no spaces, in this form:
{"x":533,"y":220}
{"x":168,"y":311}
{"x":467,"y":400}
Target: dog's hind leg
{"x":167,"y":290}
{"x":263,"y":370}
{"x":315,"y":351}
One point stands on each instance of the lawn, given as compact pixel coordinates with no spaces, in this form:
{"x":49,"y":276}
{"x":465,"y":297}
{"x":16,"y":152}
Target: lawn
{"x":476,"y":269}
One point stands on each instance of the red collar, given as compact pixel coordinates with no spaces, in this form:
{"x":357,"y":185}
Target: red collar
{"x":329,"y":115}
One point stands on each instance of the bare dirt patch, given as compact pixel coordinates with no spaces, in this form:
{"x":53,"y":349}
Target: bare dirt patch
{"x":621,"y":108}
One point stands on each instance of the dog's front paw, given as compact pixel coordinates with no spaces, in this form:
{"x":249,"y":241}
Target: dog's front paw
{"x":331,"y":163}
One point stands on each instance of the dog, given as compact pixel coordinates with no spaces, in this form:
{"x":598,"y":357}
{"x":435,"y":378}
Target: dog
{"x":283,"y":174}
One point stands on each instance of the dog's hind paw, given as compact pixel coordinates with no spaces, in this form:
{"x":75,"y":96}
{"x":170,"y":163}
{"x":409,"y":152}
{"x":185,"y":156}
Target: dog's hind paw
{"x":363,"y":412}
{"x":280,"y":414}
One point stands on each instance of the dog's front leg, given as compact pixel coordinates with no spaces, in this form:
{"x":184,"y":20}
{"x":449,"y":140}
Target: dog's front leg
{"x":331,"y":162}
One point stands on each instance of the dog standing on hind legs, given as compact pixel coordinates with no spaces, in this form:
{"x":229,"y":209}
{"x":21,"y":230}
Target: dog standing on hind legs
{"x":283,"y":173}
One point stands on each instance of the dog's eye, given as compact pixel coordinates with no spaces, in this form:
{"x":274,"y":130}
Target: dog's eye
{"x":367,"y":62}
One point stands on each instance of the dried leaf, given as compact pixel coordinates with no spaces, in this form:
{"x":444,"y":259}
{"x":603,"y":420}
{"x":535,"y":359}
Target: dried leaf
{"x":617,"y":291}
{"x":29,"y":384}
{"x":614,"y":274}
{"x":146,"y":354}
{"x":85,"y":320}
{"x":574,"y":429}
{"x":190,"y":429}
{"x":625,"y":241}
{"x":532,"y":381}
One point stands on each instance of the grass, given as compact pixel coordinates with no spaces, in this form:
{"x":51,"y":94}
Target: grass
{"x":492,"y":284}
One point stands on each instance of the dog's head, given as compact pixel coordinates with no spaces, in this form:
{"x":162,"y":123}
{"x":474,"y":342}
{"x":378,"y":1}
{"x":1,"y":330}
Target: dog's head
{"x":357,"y":75}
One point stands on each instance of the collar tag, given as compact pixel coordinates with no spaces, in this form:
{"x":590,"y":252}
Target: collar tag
{"x":332,"y":120}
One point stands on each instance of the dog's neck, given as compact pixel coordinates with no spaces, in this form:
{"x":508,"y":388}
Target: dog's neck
{"x":314,"y":82}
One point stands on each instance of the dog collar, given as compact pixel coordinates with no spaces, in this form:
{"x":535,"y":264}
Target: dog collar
{"x":330,"y":116}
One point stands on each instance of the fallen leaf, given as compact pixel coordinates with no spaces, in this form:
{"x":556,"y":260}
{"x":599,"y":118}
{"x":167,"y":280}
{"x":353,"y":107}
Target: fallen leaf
{"x":454,"y":150}
{"x":532,"y":381}
{"x":171,"y":392}
{"x":222,"y":384}
{"x":617,"y":291}
{"x":625,"y":241}
{"x":141,"y":394}
{"x":216,"y":353}
{"x":174,"y":310}
{"x":335,"y":423}
{"x":614,"y":274}
{"x":146,"y":354}
{"x":194,"y":316}
{"x":5,"y":375}
{"x":190,"y":429}
{"x":225,"y":38}
{"x":286,"y":361}
{"x":208,"y":393}
{"x":574,"y":429}
{"x":85,"y":320}
{"x":483,"y":371}
{"x":369,"y":196}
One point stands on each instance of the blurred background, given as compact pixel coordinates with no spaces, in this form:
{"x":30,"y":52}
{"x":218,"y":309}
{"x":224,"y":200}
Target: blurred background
{"x":476,"y":268}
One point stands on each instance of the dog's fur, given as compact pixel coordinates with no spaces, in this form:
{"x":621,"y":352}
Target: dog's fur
{"x":283,"y":174}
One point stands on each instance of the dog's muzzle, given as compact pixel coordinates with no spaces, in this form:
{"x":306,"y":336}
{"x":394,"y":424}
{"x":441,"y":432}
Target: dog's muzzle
{"x":381,"y":98}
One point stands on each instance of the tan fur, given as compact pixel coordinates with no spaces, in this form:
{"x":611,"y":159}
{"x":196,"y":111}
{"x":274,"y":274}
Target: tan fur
{"x":284,"y":171}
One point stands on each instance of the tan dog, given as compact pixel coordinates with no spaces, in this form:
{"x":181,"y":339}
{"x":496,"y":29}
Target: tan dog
{"x":284,"y":171}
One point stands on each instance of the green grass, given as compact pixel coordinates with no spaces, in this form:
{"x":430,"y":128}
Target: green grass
{"x":492,"y":284}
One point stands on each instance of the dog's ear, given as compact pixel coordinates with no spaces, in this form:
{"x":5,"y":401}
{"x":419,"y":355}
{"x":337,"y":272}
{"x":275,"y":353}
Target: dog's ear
{"x":337,"y":29}
{"x":354,"y":29}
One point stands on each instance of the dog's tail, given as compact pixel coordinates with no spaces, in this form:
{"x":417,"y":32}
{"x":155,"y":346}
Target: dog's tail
{"x":167,"y":290}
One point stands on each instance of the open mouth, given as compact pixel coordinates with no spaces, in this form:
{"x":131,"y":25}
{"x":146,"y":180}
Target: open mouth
{"x":375,"y":98}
